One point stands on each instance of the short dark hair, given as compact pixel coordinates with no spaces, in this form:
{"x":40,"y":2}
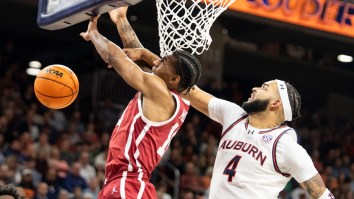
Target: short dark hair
{"x":295,"y":100}
{"x":188,"y":68}
{"x":10,"y":190}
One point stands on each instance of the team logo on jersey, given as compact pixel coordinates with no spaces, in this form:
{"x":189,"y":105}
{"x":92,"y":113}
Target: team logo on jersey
{"x":267,"y":138}
{"x":114,"y":189}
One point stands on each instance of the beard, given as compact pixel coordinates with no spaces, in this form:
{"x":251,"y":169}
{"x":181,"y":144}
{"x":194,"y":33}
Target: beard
{"x":256,"y":106}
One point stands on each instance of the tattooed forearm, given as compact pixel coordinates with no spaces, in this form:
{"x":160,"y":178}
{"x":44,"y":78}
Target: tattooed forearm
{"x":314,"y":186}
{"x":127,"y":34}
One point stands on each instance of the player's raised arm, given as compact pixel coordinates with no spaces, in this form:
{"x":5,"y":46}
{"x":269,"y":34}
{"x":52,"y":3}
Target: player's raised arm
{"x":115,"y":57}
{"x":127,"y":33}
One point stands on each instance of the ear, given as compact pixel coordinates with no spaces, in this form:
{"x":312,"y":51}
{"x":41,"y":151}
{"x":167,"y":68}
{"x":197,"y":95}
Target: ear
{"x":275,"y":105}
{"x":174,"y":80}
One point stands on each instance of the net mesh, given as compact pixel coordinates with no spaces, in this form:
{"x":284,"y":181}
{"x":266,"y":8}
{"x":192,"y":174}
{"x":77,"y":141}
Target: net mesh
{"x":185,"y":24}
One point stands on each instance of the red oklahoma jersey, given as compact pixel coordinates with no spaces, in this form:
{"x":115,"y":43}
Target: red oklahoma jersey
{"x":137,"y":145}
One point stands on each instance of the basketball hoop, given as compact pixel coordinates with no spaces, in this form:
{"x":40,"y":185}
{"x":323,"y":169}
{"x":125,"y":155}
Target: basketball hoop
{"x":185,"y":24}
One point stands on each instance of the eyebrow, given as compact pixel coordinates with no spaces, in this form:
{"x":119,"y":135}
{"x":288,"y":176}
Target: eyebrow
{"x":265,"y":84}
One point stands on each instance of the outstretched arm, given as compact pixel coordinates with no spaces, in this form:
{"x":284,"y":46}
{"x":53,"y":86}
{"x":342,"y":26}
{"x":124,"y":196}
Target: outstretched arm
{"x":127,"y":34}
{"x":199,"y":99}
{"x":116,"y":58}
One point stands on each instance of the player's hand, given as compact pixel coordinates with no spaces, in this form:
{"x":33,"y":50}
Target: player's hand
{"x":117,"y":13}
{"x":134,"y":53}
{"x":91,"y":27}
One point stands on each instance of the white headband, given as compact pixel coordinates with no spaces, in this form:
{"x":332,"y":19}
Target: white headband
{"x":283,"y":91}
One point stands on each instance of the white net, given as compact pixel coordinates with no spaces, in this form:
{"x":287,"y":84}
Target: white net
{"x":185,"y":24}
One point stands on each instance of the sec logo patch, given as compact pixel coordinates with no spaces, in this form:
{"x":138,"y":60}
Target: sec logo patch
{"x":267,"y":138}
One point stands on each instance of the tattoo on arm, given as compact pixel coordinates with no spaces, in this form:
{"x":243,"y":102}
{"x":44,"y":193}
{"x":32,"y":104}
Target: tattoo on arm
{"x":127,"y":34}
{"x":131,"y":40}
{"x":314,"y":186}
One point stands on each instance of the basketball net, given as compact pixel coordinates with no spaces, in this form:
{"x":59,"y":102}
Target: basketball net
{"x":185,"y":24}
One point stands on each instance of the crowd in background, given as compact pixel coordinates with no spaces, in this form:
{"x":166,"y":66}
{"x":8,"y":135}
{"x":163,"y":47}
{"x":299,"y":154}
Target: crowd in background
{"x":61,"y":153}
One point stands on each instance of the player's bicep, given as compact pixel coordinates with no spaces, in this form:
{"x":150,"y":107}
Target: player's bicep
{"x":224,"y":111}
{"x":135,"y":76}
{"x":296,"y":160}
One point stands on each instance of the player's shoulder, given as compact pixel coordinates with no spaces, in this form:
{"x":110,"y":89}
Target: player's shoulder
{"x":289,"y":133}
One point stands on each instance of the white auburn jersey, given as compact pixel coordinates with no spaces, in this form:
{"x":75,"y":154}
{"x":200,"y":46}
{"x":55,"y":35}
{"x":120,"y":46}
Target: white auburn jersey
{"x":254,"y":163}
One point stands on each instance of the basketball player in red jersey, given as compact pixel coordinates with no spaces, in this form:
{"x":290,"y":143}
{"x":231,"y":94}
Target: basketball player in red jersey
{"x":150,"y":120}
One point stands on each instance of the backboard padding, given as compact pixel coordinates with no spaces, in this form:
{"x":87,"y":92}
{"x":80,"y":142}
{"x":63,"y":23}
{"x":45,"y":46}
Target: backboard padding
{"x":75,"y":12}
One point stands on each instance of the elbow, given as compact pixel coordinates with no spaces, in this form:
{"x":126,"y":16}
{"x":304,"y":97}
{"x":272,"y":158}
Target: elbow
{"x":113,"y":58}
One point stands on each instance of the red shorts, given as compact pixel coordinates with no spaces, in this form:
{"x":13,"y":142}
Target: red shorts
{"x":130,"y":188}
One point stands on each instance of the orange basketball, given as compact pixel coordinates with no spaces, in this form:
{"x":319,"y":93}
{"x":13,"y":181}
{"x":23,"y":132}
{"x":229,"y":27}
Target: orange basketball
{"x":56,"y":86}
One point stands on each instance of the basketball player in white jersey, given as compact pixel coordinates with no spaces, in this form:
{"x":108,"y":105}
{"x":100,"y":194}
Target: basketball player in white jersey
{"x":151,"y":119}
{"x":258,"y":153}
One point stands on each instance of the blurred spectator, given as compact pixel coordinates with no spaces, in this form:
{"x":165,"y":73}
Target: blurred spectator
{"x":42,"y":162}
{"x":9,"y":191}
{"x":27,"y":183}
{"x":43,"y":143}
{"x":52,"y":181}
{"x":93,"y":187}
{"x":31,"y":166}
{"x":13,"y":172}
{"x":73,"y":179}
{"x":87,"y":171}
{"x":59,"y":119}
{"x":42,"y":191}
{"x":299,"y":193}
{"x":88,"y":195}
{"x":190,"y":179}
{"x":63,"y":194}
{"x":161,"y":192}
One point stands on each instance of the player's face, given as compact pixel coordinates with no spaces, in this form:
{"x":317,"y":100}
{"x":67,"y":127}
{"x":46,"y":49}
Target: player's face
{"x":163,"y":68}
{"x":260,"y":97}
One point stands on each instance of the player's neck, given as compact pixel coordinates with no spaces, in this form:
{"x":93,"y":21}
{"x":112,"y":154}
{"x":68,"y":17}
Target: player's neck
{"x":263,"y":120}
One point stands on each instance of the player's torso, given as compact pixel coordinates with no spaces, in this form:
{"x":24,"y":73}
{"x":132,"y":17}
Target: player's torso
{"x":137,"y":144}
{"x":244,"y":165}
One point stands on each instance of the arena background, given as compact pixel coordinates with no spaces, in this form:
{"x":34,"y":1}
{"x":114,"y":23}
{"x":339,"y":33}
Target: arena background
{"x":246,"y":51}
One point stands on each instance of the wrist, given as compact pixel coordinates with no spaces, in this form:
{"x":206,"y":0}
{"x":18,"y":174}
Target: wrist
{"x":326,"y":195}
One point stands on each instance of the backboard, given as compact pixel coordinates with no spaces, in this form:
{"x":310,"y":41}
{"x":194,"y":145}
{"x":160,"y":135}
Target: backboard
{"x":59,"y":14}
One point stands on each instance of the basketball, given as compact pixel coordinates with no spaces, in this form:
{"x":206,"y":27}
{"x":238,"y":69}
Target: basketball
{"x":56,"y":86}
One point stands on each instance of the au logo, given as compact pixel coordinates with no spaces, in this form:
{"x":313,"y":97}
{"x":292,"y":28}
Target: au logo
{"x":54,"y":72}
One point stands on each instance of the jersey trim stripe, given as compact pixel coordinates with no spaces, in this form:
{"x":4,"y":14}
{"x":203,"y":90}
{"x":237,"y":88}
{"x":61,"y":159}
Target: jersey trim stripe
{"x":279,"y":127}
{"x":152,"y":123}
{"x":136,"y":155}
{"x":274,"y":152}
{"x":266,"y":131}
{"x":129,"y":142}
{"x":122,"y":185}
{"x":142,"y":185}
{"x":233,"y":124}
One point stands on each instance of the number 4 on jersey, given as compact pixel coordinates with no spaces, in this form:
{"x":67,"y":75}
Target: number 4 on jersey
{"x":230,"y":169}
